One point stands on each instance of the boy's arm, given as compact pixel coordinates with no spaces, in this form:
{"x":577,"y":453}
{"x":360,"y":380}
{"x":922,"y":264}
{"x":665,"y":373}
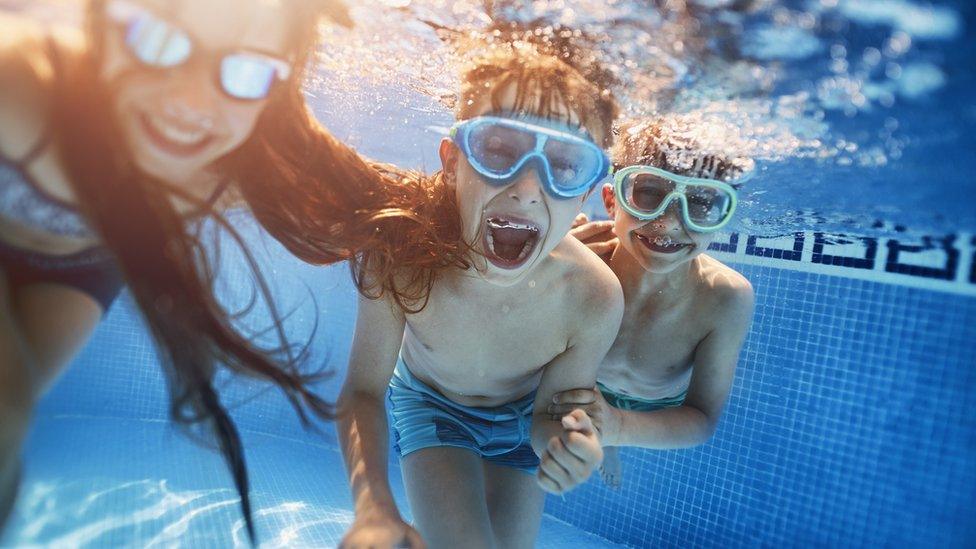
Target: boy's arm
{"x":693,"y":422}
{"x":362,"y":427}
{"x":565,"y":447}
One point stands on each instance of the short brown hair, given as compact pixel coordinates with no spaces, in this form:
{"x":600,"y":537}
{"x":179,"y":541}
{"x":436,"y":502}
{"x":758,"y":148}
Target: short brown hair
{"x":540,"y":76}
{"x":672,"y":145}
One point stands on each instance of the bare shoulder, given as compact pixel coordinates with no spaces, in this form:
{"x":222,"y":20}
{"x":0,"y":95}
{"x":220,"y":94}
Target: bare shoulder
{"x":27,"y":71}
{"x":729,"y":293}
{"x":589,"y":283}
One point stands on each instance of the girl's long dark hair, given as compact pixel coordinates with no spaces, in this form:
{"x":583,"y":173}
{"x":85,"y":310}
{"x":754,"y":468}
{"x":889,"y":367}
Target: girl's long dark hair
{"x":316,"y":196}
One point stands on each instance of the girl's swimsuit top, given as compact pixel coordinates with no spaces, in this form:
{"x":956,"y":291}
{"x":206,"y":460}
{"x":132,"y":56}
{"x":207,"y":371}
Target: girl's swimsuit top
{"x":23,"y":201}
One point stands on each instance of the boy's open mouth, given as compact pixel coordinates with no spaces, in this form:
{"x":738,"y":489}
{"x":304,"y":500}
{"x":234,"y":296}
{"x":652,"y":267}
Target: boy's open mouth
{"x":661,"y":244}
{"x":509,"y":242}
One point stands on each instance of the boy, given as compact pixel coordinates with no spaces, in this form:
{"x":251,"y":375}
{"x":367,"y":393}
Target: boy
{"x":493,"y":343}
{"x":667,"y":376}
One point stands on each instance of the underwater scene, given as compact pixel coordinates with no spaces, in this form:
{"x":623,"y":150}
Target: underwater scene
{"x":420,"y":273}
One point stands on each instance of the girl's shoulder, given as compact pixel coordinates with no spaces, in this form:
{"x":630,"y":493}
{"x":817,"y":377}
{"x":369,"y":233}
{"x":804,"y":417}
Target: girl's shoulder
{"x":28,"y":71}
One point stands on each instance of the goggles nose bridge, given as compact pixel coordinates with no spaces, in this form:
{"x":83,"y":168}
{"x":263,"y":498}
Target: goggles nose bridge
{"x":534,"y":159}
{"x":675,"y":197}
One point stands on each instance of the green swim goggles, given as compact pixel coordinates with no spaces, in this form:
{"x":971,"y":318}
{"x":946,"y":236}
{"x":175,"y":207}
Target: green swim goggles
{"x":646,"y":192}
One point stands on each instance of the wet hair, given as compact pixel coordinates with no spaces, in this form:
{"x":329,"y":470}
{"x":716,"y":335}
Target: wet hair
{"x":549,"y":65}
{"x":425,"y":236}
{"x":671,"y":145}
{"x":309,"y":191}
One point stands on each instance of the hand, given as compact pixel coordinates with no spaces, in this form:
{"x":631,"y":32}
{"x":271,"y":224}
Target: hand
{"x":597,"y":235}
{"x":381,"y":531}
{"x":571,"y":457}
{"x":605,"y":418}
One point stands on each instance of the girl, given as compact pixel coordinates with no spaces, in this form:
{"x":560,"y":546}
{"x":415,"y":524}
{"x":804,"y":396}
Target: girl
{"x":113,"y":141}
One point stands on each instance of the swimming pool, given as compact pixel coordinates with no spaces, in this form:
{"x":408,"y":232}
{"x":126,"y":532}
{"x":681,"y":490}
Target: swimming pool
{"x":850,"y":423}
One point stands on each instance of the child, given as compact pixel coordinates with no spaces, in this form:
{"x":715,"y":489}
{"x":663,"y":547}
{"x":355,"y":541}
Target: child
{"x":488,"y":343}
{"x":667,"y":377}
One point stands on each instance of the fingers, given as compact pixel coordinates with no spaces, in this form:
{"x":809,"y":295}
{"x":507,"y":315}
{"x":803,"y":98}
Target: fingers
{"x":596,"y":231}
{"x":546,"y":482}
{"x":581,"y":219}
{"x":604,"y":248}
{"x":559,"y":410}
{"x":558,"y":468}
{"x":579,"y":397}
{"x":578,"y":420}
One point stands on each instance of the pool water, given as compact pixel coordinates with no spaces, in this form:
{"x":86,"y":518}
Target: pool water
{"x":851,"y":422}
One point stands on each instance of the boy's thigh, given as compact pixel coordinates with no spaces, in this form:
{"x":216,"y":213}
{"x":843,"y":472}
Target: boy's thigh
{"x":445,"y":487}
{"x":515,"y":504}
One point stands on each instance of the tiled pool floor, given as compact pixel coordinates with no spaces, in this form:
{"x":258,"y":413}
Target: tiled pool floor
{"x":98,"y":482}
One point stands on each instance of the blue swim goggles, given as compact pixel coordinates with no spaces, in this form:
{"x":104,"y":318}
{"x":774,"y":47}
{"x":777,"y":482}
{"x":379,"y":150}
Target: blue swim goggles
{"x":498,"y":148}
{"x":646,"y":192}
{"x":161,"y":44}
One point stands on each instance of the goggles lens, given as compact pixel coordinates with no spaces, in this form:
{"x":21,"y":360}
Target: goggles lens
{"x":706,"y":205}
{"x":247,"y":76}
{"x":572,"y":164}
{"x":498,"y":148}
{"x":157,"y":43}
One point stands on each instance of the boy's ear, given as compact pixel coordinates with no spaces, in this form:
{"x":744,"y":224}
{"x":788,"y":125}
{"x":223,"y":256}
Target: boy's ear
{"x":449,"y":154}
{"x":609,"y":200}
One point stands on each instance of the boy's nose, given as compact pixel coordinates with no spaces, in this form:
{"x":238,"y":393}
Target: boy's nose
{"x":671,"y":219}
{"x":527,"y":186}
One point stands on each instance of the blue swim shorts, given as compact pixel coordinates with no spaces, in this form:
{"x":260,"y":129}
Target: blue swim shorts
{"x":421,"y":417}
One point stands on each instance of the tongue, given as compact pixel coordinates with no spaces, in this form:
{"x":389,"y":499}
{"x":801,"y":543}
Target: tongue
{"x":509,"y":242}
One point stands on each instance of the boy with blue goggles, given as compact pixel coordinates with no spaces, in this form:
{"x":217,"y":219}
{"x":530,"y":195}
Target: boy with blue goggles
{"x":569,"y":164}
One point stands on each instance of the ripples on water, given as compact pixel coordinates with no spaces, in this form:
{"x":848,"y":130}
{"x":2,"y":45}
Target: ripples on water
{"x":853,"y":109}
{"x":88,"y":514}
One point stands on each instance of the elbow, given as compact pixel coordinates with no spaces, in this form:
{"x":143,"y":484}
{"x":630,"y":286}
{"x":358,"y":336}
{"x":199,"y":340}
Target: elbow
{"x":352,"y":398}
{"x":707,"y":425}
{"x":707,"y":432}
{"x":708,"y":428}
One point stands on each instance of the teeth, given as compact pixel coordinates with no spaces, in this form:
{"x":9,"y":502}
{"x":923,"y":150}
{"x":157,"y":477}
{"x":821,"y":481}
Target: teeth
{"x":496,"y":223}
{"x":505,"y":224}
{"x":663,"y":241}
{"x":177,"y":135}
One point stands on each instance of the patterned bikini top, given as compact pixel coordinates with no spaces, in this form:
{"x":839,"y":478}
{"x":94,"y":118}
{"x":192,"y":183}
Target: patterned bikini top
{"x":23,"y":201}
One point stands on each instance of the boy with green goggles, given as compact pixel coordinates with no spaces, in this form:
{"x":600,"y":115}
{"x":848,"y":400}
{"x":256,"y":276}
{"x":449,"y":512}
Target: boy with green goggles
{"x":646,"y":192}
{"x":668,"y":374}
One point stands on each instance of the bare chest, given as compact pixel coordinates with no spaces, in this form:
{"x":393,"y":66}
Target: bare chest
{"x":655,"y":346}
{"x":503,"y":340}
